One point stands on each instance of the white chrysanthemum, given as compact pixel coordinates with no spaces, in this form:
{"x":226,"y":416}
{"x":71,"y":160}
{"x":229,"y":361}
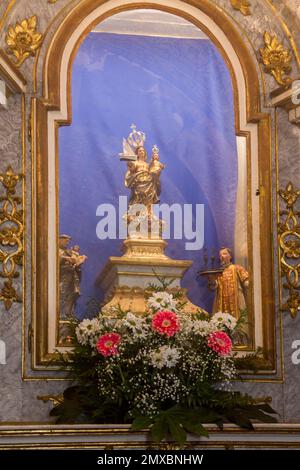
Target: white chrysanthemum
{"x":87,"y":330}
{"x":162,"y":300}
{"x":221,"y":319}
{"x":203,"y":327}
{"x":187,"y":324}
{"x":137,"y":325}
{"x":165,"y":357}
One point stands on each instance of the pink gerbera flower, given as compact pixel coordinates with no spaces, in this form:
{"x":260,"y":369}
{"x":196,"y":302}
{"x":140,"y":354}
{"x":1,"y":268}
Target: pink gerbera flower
{"x":107,"y":344}
{"x":166,"y":323}
{"x":219,"y":342}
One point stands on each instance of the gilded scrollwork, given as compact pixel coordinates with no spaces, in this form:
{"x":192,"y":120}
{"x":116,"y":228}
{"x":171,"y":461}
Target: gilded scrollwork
{"x":54,"y":399}
{"x":276,"y":59}
{"x":23,"y":40}
{"x":11,"y":236}
{"x":289,"y":242}
{"x":242,"y":5}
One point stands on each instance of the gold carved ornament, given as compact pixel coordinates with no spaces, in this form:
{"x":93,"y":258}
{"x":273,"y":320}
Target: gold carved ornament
{"x":23,"y":40}
{"x":11,"y":237}
{"x":55,"y":399}
{"x":241,"y":5}
{"x":276,"y":59}
{"x":289,"y":242}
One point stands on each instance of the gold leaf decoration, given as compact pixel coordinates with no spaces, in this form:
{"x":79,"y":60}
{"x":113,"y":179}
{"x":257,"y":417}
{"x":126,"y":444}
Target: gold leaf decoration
{"x":11,"y":236}
{"x":55,"y":399}
{"x":276,"y":59}
{"x":289,"y":243}
{"x":23,"y":40}
{"x":241,"y":5}
{"x":8,"y":294}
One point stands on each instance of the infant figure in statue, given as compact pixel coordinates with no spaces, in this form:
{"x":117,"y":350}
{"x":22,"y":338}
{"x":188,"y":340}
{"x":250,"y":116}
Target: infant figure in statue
{"x":156,"y":168}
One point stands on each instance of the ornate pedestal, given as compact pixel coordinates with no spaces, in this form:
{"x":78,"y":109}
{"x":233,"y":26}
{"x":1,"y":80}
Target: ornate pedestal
{"x":125,"y":279}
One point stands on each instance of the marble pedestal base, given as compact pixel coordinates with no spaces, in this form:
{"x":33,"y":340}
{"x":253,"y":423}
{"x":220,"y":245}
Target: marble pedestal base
{"x":126,"y":279}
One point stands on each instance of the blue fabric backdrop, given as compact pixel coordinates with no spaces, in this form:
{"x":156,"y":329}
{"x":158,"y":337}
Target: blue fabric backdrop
{"x":179,"y":92}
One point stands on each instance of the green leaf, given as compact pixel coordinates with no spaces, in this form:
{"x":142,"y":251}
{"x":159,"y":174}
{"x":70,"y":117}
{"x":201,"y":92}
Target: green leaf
{"x":160,"y":428}
{"x":239,"y":418}
{"x":176,"y":430}
{"x":195,"y":428}
{"x":71,"y":393}
{"x":267,"y":408}
{"x":141,"y":422}
{"x":256,"y":413}
{"x":206,"y":415}
{"x":57,"y":410}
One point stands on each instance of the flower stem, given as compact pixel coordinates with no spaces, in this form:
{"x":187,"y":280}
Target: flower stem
{"x":121,"y":374}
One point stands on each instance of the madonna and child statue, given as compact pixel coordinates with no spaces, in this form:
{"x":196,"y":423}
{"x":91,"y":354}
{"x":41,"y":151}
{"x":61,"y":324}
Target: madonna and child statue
{"x":143,"y":180}
{"x":125,"y":279}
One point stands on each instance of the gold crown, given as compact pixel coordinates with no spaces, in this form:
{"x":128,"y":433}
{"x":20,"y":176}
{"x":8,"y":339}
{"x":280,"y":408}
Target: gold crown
{"x":136,"y":138}
{"x":155,"y":149}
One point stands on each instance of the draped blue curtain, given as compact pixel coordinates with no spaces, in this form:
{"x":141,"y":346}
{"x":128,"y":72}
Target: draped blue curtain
{"x":179,"y":92}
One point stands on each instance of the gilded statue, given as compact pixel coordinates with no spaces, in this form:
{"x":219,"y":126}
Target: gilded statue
{"x":70,"y":264}
{"x":156,"y":168}
{"x":142,"y":178}
{"x":231,"y":286}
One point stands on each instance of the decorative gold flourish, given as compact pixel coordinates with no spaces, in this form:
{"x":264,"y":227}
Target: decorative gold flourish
{"x":276,"y":59}
{"x":52,"y":1}
{"x":241,"y":5}
{"x":23,"y":40}
{"x":8,"y":294}
{"x":55,"y":399}
{"x":11,"y":236}
{"x":289,"y":242}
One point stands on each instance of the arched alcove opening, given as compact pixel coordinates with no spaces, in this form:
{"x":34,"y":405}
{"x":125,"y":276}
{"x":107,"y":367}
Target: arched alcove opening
{"x":163,"y":73}
{"x":55,"y":108}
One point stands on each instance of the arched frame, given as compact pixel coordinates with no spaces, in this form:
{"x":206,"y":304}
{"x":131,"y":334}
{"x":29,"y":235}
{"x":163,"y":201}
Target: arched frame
{"x":54,"y":109}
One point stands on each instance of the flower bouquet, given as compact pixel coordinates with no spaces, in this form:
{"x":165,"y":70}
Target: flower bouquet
{"x":168,"y":371}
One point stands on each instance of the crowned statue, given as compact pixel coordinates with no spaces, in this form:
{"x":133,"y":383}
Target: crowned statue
{"x":125,"y":279}
{"x":142,"y":178}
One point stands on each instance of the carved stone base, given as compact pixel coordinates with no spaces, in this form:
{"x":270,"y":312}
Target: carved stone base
{"x":145,"y":248}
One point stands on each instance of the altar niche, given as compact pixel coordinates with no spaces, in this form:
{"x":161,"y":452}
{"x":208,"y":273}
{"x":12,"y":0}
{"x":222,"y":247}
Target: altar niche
{"x":174,"y":94}
{"x":184,"y":94}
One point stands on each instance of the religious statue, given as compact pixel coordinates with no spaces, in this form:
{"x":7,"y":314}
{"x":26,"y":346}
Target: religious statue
{"x":142,"y":179}
{"x":125,"y":280}
{"x":156,"y":168}
{"x":70,"y":263}
{"x":231,"y":286}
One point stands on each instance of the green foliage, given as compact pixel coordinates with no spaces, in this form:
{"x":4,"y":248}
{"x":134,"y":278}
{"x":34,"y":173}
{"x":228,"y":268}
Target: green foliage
{"x":163,"y":285}
{"x":81,"y":405}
